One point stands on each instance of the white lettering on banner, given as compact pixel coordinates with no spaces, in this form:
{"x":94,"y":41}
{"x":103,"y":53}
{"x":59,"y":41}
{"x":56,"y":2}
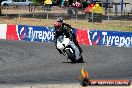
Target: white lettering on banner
{"x":40,"y":34}
{"x":104,"y":34}
{"x":121,"y":41}
{"x":116,"y":40}
{"x":128,"y":42}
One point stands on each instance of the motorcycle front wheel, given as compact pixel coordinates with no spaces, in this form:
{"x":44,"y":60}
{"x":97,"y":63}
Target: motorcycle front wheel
{"x":71,"y":55}
{"x":80,"y":60}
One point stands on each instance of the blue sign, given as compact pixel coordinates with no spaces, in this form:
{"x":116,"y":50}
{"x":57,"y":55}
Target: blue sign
{"x":111,"y":38}
{"x":36,"y":33}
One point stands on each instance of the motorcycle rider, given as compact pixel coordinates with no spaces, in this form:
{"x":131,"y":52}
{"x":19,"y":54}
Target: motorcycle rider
{"x":61,"y":27}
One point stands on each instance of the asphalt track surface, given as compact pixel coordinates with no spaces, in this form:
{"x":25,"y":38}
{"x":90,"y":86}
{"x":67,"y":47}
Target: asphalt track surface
{"x":33,"y":62}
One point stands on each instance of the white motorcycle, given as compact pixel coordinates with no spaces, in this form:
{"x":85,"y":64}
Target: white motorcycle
{"x":69,"y":49}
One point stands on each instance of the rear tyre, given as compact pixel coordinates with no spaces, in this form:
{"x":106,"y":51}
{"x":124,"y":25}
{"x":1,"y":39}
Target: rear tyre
{"x":80,"y":60}
{"x":71,"y":56}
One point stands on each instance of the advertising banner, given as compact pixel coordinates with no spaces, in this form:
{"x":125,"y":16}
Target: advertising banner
{"x":110,"y":38}
{"x":35,"y":33}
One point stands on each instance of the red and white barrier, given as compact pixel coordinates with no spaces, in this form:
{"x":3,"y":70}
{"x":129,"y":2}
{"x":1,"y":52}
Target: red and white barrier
{"x":8,"y":32}
{"x":46,"y":34}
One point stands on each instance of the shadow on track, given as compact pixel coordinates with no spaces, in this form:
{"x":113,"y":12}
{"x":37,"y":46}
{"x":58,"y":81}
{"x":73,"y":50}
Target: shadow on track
{"x":73,"y":62}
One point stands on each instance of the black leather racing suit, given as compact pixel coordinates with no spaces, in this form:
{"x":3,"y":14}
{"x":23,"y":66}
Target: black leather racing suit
{"x":67,"y":30}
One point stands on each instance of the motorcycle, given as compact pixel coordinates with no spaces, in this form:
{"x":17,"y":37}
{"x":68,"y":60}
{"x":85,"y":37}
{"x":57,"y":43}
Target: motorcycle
{"x":68,"y":48}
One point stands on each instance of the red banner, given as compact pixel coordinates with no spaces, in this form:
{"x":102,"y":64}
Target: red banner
{"x":82,"y":37}
{"x":11,"y":33}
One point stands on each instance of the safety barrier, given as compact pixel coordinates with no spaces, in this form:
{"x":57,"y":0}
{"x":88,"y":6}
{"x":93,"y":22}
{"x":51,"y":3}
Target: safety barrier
{"x":105,"y":38}
{"x":27,"y":33}
{"x":46,"y":34}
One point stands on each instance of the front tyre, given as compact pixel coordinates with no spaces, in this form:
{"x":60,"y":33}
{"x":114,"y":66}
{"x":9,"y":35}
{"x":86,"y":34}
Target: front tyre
{"x":80,"y":60}
{"x":71,"y":55}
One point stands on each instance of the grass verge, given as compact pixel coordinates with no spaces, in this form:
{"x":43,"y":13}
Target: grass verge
{"x":115,"y":25}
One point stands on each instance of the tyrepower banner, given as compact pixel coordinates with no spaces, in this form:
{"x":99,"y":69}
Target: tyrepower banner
{"x":111,"y":38}
{"x":27,"y":33}
{"x":106,"y":38}
{"x":35,"y":33}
